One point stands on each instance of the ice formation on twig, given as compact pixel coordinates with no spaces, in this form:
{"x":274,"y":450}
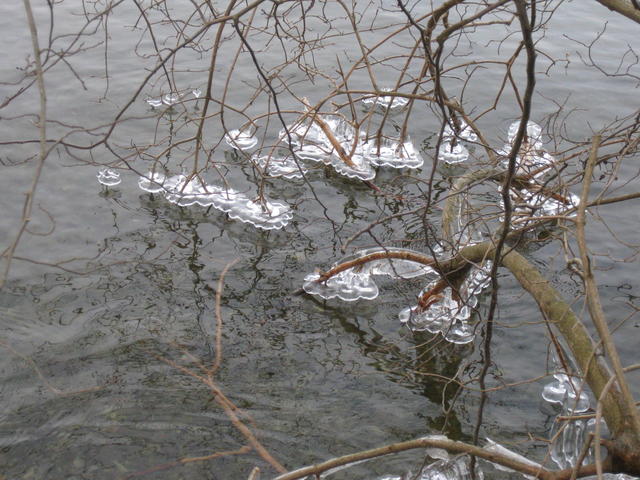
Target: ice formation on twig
{"x":334,"y":141}
{"x":449,"y":314}
{"x":240,"y":139}
{"x":570,"y":395}
{"x":537,"y":201}
{"x":108,"y":177}
{"x":356,"y":283}
{"x":385,"y":102}
{"x":331,"y":141}
{"x":451,"y":149}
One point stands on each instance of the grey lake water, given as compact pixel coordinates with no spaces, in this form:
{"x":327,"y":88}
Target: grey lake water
{"x":102,"y":318}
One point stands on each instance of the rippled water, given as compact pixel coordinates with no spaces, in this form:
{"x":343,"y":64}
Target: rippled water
{"x":318,"y":379}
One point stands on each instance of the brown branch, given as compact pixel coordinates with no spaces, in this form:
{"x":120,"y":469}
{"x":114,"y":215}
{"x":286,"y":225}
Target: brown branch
{"x":426,"y":442}
{"x":593,"y":297}
{"x":623,"y":8}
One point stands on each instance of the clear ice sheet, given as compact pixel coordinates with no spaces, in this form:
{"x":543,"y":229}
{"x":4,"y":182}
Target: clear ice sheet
{"x":108,"y":177}
{"x":385,"y":102}
{"x":240,"y":140}
{"x":284,"y":167}
{"x":451,"y":154}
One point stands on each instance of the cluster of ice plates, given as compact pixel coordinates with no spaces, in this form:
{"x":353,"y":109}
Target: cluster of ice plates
{"x":183,"y":191}
{"x":446,"y":316}
{"x":350,"y":152}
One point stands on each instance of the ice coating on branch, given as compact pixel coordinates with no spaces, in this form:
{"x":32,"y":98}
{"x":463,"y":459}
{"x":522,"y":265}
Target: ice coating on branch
{"x":568,"y":392}
{"x":361,"y":169}
{"x":531,"y":159}
{"x":349,"y":151}
{"x":437,"y":453}
{"x":390,"y":153}
{"x":466,"y":132}
{"x":450,"y":153}
{"x":356,"y":282}
{"x":240,"y":140}
{"x":196,"y":92}
{"x":310,"y":142}
{"x":279,"y":166}
{"x":347,"y":285}
{"x":384,"y":102}
{"x":108,"y":177}
{"x":152,"y":182}
{"x":531,"y":162}
{"x":569,"y":441}
{"x":495,"y":447}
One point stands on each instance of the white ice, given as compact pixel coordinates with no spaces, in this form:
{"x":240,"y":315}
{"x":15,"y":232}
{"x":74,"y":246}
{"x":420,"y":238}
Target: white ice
{"x":108,"y":177}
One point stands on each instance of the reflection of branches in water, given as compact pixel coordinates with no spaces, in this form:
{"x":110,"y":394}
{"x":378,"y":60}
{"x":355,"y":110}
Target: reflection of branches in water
{"x":206,"y":374}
